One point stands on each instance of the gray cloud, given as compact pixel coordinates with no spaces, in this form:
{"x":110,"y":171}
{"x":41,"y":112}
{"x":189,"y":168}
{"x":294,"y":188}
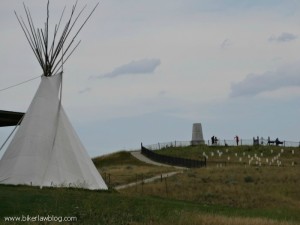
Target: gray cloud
{"x":254,"y":84}
{"x":143,"y":66}
{"x":283,"y":37}
{"x":162,"y":93}
{"x":85,"y":90}
{"x":226,"y":43}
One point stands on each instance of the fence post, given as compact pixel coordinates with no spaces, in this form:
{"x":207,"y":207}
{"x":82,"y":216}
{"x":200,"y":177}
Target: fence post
{"x":136,"y":182}
{"x":142,"y":183}
{"x":166,"y":184}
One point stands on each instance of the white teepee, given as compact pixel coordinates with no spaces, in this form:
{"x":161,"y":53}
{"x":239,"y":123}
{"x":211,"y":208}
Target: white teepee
{"x":45,"y":150}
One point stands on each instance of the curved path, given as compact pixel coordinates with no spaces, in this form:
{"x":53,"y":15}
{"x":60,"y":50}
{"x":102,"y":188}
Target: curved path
{"x":162,"y":176}
{"x":141,"y":157}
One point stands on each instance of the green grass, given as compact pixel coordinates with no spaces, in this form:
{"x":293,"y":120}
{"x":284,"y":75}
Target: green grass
{"x":118,"y":158}
{"x":106,"y":207}
{"x":88,"y":206}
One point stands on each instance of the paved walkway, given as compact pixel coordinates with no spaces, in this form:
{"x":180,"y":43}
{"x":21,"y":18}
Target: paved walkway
{"x":141,"y":157}
{"x":162,"y":176}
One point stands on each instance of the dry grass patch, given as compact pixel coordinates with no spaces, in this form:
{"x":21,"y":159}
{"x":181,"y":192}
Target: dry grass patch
{"x":234,"y":186}
{"x":241,"y":155}
{"x":190,"y":219}
{"x":124,"y":174}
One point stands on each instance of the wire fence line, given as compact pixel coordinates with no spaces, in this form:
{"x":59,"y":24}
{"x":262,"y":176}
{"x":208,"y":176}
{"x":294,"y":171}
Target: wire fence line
{"x":219,"y":142}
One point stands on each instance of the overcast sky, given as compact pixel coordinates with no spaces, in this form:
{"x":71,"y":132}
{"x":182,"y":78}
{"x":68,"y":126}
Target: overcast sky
{"x":145,"y":71}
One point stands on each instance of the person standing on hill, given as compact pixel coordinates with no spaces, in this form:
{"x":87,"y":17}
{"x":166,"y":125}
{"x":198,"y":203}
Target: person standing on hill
{"x":213,"y":140}
{"x":237,"y":140}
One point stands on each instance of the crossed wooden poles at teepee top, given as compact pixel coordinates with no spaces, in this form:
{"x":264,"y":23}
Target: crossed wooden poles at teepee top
{"x":38,"y":39}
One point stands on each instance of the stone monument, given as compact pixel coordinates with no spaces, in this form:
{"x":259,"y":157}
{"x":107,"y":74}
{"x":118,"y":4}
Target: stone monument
{"x":197,"y":137}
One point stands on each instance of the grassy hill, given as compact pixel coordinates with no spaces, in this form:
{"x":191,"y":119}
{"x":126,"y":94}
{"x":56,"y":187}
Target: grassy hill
{"x":122,"y":168}
{"x":234,"y":192}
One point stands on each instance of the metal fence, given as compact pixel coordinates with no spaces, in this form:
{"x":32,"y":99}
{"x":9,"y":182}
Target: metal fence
{"x":219,"y":142}
{"x":159,"y":145}
{"x":174,"y":161}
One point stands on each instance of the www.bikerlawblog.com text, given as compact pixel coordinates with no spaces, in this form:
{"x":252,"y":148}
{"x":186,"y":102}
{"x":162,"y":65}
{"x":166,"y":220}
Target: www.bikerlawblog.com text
{"x":39,"y":218}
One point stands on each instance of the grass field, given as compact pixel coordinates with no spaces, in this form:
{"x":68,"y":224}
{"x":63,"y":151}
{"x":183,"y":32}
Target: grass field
{"x":234,"y":192}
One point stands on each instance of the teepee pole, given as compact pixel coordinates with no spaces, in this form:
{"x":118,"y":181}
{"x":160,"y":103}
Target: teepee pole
{"x":11,"y":132}
{"x":47,"y":52}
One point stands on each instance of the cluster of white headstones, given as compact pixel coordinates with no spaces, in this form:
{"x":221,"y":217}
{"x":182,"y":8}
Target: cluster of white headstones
{"x":256,"y":159}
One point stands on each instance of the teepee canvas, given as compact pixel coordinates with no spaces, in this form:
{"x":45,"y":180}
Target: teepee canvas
{"x":46,"y":150}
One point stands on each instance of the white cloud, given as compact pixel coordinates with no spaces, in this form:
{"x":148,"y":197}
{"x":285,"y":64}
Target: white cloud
{"x":283,"y":37}
{"x":253,"y":84}
{"x":143,"y":66}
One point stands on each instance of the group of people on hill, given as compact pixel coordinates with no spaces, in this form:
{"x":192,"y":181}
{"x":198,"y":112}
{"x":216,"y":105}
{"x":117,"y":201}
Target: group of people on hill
{"x":277,"y":142}
{"x":214,"y":140}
